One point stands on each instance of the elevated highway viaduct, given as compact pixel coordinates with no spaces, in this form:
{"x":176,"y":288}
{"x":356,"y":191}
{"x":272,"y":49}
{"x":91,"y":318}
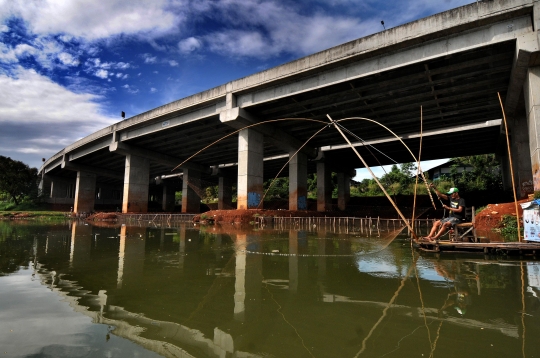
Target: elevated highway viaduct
{"x":451,"y":65}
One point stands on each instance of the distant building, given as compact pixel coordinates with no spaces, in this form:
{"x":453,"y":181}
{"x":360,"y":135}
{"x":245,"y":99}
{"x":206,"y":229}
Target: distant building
{"x":437,"y":172}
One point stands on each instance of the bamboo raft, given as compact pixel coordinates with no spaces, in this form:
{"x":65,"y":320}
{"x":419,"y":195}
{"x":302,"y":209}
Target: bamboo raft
{"x":486,"y":248}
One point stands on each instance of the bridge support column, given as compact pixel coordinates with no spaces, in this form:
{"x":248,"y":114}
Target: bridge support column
{"x":324,"y":187}
{"x":136,"y":181}
{"x":45,"y":186}
{"x":521,"y":156}
{"x":167,"y":203}
{"x":224,"y":194}
{"x":191,"y":191}
{"x":298,"y":182}
{"x":250,"y":169}
{"x":531,"y":93}
{"x":85,"y":192}
{"x":344,"y":189}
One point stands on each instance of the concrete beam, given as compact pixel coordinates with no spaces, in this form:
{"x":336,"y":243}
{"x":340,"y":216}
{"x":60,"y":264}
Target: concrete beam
{"x":381,"y":56}
{"x":126,"y":149}
{"x":239,"y":118}
{"x":90,"y":169}
{"x":487,"y":124}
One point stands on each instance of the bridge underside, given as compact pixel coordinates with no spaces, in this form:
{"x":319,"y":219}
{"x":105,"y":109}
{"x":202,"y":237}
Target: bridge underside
{"x":454,"y":91}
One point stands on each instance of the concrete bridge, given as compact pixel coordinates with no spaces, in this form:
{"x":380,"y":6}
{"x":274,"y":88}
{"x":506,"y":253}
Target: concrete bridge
{"x":452,"y":65}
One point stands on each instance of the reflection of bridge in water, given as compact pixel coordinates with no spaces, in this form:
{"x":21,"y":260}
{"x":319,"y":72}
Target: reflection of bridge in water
{"x":241,"y":296}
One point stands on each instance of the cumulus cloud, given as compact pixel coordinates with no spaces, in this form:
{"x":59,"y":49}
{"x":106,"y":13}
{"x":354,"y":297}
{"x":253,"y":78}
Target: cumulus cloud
{"x":101,"y":73}
{"x":131,"y":89}
{"x":93,"y":20}
{"x":189,"y":45}
{"x":148,"y":58}
{"x":38,"y":116}
{"x":153,"y":90}
{"x":173,"y":63}
{"x":67,"y":59}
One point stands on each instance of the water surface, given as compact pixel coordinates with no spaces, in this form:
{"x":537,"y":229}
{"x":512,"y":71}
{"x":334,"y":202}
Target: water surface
{"x":73,"y":290}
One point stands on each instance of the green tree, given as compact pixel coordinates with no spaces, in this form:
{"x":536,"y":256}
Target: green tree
{"x":485,"y":173}
{"x":17,"y":179}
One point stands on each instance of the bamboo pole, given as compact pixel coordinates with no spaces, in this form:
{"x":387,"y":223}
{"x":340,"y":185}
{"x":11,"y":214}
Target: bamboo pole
{"x":511,"y":167}
{"x":417,"y":170}
{"x":373,"y":175}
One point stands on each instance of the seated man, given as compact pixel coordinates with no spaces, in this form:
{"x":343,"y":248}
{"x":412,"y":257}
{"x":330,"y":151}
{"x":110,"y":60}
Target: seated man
{"x":456,"y":209}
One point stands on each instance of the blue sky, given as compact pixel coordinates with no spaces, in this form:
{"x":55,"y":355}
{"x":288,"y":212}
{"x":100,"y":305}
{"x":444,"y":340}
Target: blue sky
{"x":68,"y":68}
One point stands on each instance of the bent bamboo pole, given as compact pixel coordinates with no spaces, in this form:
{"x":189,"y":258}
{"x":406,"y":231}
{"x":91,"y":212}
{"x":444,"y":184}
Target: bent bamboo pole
{"x":374,"y":177}
{"x":511,"y":167}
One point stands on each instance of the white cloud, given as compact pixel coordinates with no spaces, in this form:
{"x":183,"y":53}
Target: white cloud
{"x":38,"y":116}
{"x":153,"y":90}
{"x":148,"y":58}
{"x":93,"y":20}
{"x":68,"y":59}
{"x":33,"y":98}
{"x":101,"y":73}
{"x":173,"y":63}
{"x":122,"y":76}
{"x":123,"y":65}
{"x":131,"y":89}
{"x":4,"y":28}
{"x":189,"y":45}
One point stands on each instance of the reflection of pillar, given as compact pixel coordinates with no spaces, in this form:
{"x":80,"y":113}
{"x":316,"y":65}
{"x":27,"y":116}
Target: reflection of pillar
{"x":85,"y":192}
{"x":131,"y":255}
{"x":240,"y":277}
{"x":250,"y":169}
{"x":181,"y":247}
{"x":324,"y":187}
{"x":321,"y":250}
{"x":298,"y":181}
{"x":81,"y":244}
{"x":293,"y":261}
{"x":224,"y":194}
{"x":136,"y":181}
{"x":191,"y":191}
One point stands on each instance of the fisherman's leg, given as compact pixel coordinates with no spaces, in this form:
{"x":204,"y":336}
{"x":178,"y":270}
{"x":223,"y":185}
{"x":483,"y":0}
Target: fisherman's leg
{"x":434,"y":229}
{"x":444,"y":228}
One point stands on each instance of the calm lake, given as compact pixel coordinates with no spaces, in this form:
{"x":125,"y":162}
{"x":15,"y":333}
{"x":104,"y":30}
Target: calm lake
{"x":75,"y":290}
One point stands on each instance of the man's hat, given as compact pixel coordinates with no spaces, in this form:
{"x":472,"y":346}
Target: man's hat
{"x":453,"y":190}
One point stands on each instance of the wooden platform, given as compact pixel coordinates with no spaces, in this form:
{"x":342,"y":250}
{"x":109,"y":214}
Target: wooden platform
{"x":491,"y":248}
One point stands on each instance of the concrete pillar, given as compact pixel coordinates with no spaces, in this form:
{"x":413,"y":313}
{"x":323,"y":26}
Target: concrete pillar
{"x":250,"y":169}
{"x":324,"y":187}
{"x":62,"y":189}
{"x":521,"y":156}
{"x":136,"y":181}
{"x":531,"y":92}
{"x":45,"y":185}
{"x":191,"y":191}
{"x":344,"y":190}
{"x":167,"y":204}
{"x":298,"y":181}
{"x":85,"y":192}
{"x":224,"y":194}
